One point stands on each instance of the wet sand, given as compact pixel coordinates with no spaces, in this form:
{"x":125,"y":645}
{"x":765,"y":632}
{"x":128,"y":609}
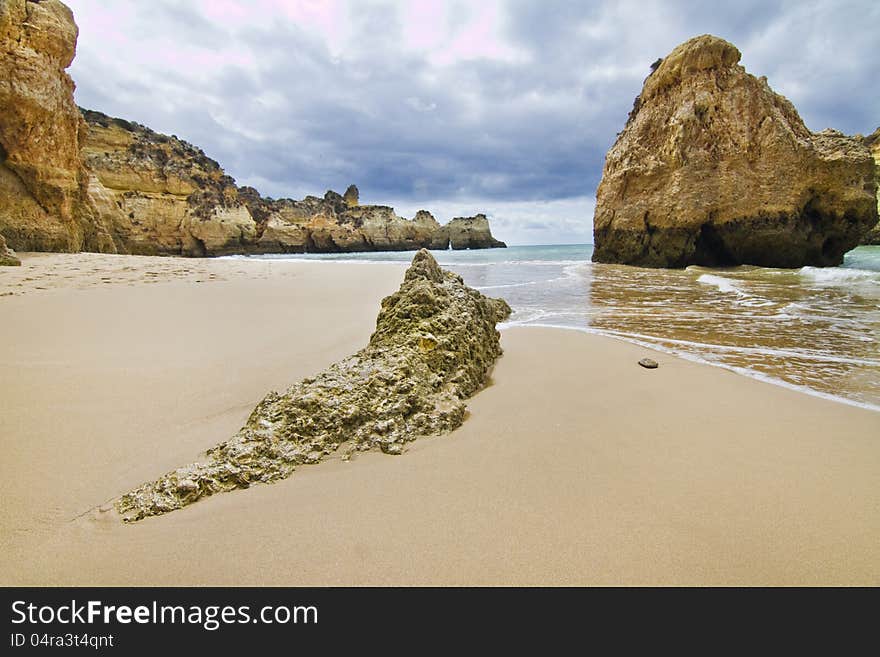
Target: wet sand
{"x":575,"y":465}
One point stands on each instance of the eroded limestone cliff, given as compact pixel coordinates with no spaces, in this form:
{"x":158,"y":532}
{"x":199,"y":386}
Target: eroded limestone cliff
{"x":110,"y":185}
{"x":44,"y":186}
{"x":714,"y":168}
{"x":336,"y":225}
{"x":470,"y":233}
{"x":434,"y":345}
{"x":873,"y":142}
{"x":173,"y":199}
{"x":164,"y":195}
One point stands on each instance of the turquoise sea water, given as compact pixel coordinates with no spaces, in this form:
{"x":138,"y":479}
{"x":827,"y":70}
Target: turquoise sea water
{"x":814,"y":329}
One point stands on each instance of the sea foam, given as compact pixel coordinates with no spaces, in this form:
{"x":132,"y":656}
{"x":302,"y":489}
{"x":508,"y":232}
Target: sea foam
{"x":723,"y":284}
{"x":840,"y":275}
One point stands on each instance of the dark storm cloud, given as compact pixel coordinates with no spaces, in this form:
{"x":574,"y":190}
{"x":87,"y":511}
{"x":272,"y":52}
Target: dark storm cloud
{"x":296,"y":107}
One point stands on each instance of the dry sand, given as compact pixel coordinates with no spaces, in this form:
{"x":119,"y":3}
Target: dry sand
{"x":575,"y":466}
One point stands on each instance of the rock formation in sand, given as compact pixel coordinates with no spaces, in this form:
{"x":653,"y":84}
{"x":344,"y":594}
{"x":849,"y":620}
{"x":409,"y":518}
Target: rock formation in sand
{"x":109,"y":185}
{"x":714,"y":168}
{"x":7,"y":255}
{"x":44,"y":185}
{"x":873,"y":142}
{"x":434,"y":345}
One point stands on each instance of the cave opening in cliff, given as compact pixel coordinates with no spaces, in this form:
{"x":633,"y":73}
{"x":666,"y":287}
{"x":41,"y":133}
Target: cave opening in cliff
{"x":710,"y":249}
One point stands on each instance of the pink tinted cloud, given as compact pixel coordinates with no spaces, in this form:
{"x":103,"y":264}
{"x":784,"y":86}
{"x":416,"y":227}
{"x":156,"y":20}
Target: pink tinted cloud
{"x":450,"y":33}
{"x":325,"y":17}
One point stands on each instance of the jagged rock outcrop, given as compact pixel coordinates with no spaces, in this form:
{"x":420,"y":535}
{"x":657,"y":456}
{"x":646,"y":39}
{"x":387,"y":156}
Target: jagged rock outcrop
{"x":434,"y":345}
{"x":873,"y":142}
{"x":44,"y":186}
{"x":7,"y":255}
{"x":351,"y":196}
{"x":714,"y":168}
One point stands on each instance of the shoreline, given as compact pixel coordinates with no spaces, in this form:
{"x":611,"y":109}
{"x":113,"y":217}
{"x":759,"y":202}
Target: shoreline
{"x":663,"y":345}
{"x":575,"y":466}
{"x":741,"y":371}
{"x":209,"y":268}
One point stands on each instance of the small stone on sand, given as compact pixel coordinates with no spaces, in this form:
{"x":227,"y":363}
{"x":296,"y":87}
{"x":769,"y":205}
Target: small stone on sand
{"x":647,"y":363}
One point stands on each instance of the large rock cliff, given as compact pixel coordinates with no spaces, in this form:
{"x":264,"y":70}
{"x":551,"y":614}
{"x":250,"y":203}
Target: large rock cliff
{"x":44,"y":186}
{"x":74,"y":179}
{"x":434,"y":345}
{"x":714,"y":168}
{"x":873,"y":142}
{"x":165,"y":196}
{"x":173,"y":199}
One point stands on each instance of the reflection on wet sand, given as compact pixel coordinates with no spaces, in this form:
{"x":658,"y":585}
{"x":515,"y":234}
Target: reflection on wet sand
{"x":785,"y":324}
{"x":811,"y":328}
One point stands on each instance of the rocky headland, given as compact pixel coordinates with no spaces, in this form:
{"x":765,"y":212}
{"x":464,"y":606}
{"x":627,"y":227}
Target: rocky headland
{"x":714,"y":168}
{"x":434,"y":345}
{"x":73,"y":179}
{"x":171,"y":199}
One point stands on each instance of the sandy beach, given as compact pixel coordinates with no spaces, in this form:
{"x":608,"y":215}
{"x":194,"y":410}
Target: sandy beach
{"x":574,"y":467}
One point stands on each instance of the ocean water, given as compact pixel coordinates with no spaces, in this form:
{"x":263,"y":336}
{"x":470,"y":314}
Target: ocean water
{"x":813,"y":329}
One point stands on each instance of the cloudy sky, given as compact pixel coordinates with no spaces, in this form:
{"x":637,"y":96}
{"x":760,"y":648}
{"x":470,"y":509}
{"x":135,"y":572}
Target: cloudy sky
{"x":504,"y":107}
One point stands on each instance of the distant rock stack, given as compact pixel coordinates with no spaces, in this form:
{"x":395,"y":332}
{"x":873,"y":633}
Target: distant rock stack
{"x":434,"y":345}
{"x":472,"y":233}
{"x":714,"y":168}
